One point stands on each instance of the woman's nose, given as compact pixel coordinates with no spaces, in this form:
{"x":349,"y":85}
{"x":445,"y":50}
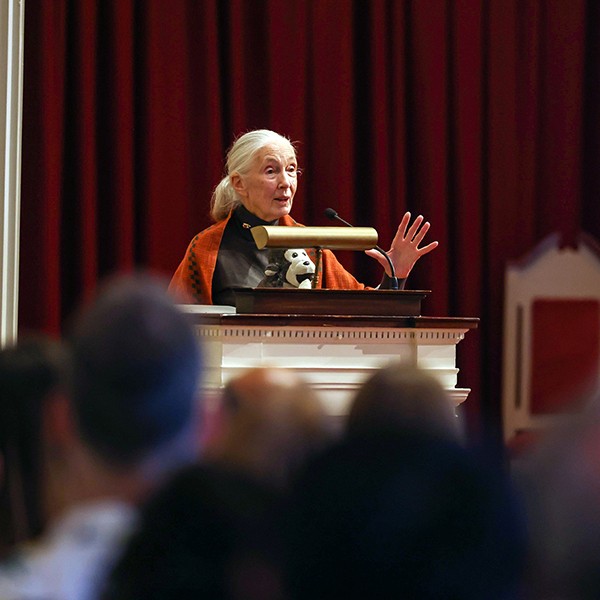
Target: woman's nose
{"x":285,"y":180}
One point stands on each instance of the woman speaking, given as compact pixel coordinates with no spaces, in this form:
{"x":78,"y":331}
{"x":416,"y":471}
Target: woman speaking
{"x":258,"y":189}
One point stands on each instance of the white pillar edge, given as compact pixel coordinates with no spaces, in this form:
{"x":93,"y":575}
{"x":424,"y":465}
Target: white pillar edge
{"x":12,"y":13}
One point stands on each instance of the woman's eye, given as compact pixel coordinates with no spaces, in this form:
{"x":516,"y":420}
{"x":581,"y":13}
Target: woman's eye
{"x":270,"y":171}
{"x":292,"y":169}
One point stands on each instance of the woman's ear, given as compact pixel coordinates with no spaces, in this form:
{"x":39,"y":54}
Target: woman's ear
{"x":237,"y":183}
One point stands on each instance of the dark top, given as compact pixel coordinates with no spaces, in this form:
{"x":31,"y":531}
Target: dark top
{"x":239,"y":260}
{"x":241,"y":264}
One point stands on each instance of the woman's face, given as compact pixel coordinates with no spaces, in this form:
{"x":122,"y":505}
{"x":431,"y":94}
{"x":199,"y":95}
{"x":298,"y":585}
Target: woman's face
{"x":268,"y":189}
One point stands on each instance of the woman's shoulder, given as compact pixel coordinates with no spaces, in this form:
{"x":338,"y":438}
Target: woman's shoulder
{"x":290,"y":221}
{"x":213,"y":229}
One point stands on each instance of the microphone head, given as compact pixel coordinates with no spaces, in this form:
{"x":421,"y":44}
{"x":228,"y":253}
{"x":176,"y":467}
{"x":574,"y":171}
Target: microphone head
{"x":330,"y":213}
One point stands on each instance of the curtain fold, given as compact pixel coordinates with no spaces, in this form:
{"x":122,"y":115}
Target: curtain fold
{"x":40,"y":293}
{"x":480,"y":114}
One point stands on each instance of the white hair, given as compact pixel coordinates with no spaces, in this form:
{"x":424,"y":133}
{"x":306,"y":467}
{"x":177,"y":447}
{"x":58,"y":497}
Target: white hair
{"x":239,"y":160}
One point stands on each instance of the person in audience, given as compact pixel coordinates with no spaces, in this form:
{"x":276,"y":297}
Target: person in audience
{"x":209,"y":533}
{"x":401,"y":398}
{"x":128,"y":420}
{"x":269,"y":421}
{"x":258,"y":189}
{"x":31,"y":371}
{"x":560,"y":482}
{"x":391,"y":515}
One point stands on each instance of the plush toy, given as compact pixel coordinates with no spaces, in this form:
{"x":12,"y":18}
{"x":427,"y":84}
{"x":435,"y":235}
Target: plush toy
{"x":288,"y":268}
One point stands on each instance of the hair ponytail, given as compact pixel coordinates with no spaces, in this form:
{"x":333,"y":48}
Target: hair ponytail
{"x":224,"y":200}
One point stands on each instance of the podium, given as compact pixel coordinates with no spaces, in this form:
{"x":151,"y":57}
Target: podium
{"x":334,"y":353}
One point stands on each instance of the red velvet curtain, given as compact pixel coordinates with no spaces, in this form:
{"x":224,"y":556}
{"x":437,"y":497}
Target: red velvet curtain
{"x":480,"y":114}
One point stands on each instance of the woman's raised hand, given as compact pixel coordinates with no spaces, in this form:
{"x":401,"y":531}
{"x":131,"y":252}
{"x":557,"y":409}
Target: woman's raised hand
{"x":405,"y":250}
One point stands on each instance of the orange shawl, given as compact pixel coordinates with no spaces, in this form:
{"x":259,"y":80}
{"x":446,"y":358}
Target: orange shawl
{"x":192,"y":281}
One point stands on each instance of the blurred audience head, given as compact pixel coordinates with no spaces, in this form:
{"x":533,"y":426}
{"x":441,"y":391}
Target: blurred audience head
{"x":31,"y":372}
{"x":560,"y":481}
{"x":403,"y":516}
{"x":270,"y":421}
{"x":400,"y":398}
{"x":209,"y":533}
{"x":135,"y":377}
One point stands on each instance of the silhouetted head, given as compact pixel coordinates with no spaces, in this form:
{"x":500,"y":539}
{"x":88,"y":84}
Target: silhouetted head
{"x":403,"y":516}
{"x":208,"y":533}
{"x":31,"y":372}
{"x":271,"y":421}
{"x":136,"y":366}
{"x":403,"y":398}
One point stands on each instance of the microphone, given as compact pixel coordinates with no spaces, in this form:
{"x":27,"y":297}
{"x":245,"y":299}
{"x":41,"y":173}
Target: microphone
{"x":332,"y":214}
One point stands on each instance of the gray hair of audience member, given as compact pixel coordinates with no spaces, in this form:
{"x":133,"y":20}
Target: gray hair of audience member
{"x":271,"y":421}
{"x":136,"y":367}
{"x":239,"y":160}
{"x":560,"y":483}
{"x":400,"y":397}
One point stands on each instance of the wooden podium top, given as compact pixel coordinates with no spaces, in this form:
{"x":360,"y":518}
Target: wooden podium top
{"x":297,"y":301}
{"x":282,"y":307}
{"x":237,"y":320}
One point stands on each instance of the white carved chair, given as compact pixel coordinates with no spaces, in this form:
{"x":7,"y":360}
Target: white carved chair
{"x":551,"y":354}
